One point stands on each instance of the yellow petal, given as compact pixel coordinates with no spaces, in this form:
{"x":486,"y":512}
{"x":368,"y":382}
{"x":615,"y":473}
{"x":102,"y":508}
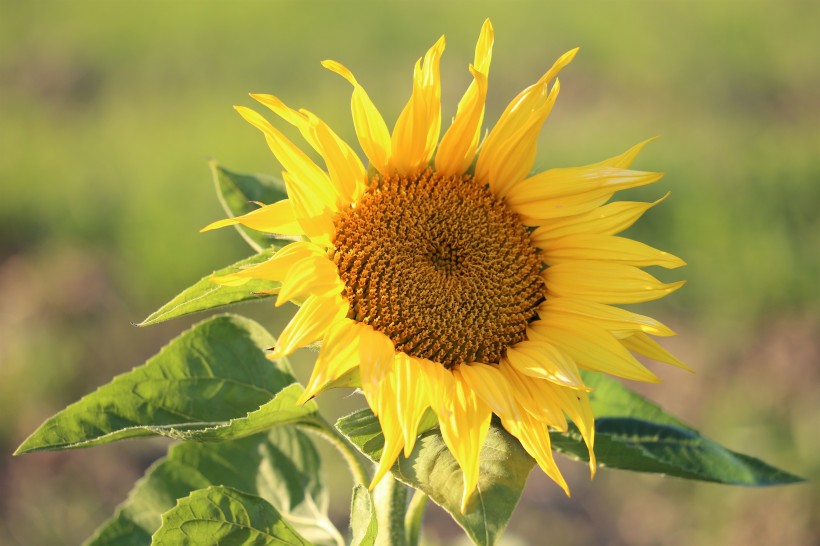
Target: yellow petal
{"x":391,"y":429}
{"x":604,"y":282}
{"x":535,"y":439}
{"x":534,"y":397}
{"x":606,"y":248}
{"x":417,"y":128}
{"x":508,"y":152}
{"x":576,"y":405}
{"x":624,"y":160}
{"x":410,"y":387}
{"x":642,"y":344}
{"x":337,"y":357}
{"x":276,"y":218}
{"x":310,"y":323}
{"x":376,"y":356}
{"x":619,"y":322}
{"x":439,"y":381}
{"x":371,"y":130}
{"x":491,"y":386}
{"x":315,"y":275}
{"x":346,"y":171}
{"x":314,"y":217}
{"x":464,"y":420}
{"x":458,"y":145}
{"x":609,"y":219}
{"x":565,"y":192}
{"x":302,"y":170}
{"x":543,"y":360}
{"x":274,"y":269}
{"x":591,"y":347}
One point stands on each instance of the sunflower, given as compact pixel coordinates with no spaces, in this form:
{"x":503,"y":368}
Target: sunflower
{"x":453,"y":279}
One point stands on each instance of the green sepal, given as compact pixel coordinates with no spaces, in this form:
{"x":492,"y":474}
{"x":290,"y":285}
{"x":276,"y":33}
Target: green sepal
{"x":205,"y":295}
{"x":213,"y":382}
{"x":220,"y":515}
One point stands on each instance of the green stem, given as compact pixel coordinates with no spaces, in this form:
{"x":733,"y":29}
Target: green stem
{"x":327,"y":431}
{"x":390,"y":499}
{"x":415,"y":514}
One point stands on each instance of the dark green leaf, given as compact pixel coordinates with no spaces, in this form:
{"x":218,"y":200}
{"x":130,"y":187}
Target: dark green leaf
{"x":237,"y":193}
{"x":635,"y":444}
{"x":632,"y":433}
{"x":205,"y":295}
{"x":504,"y":468}
{"x":212,"y":382}
{"x":363,"y":524}
{"x":221,"y":515}
{"x":282,"y":467}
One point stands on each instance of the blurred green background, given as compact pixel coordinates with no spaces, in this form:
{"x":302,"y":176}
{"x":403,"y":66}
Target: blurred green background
{"x":109,"y":112}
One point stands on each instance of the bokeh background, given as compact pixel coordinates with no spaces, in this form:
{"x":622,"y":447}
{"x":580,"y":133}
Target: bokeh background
{"x":109,"y":112}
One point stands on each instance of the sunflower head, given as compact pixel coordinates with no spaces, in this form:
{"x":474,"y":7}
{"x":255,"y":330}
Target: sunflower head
{"x":452,"y":278}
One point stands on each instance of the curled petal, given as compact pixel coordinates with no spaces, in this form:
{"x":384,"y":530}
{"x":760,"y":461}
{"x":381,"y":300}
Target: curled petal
{"x":416,"y":132}
{"x":458,"y":145}
{"x":346,"y":171}
{"x":508,"y":152}
{"x":299,"y":166}
{"x":369,"y":123}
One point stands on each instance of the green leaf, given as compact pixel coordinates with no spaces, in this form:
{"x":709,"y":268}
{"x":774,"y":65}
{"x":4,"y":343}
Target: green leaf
{"x":610,"y":398}
{"x":635,"y":444}
{"x":504,"y":467}
{"x":237,"y":193}
{"x":212,"y":382}
{"x":205,"y":295}
{"x":282,"y":467}
{"x":363,"y":524}
{"x":632,"y":433}
{"x":221,"y":515}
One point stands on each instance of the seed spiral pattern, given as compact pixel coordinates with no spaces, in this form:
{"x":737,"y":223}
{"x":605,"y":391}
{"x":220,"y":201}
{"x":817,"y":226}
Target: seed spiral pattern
{"x":440,"y":266}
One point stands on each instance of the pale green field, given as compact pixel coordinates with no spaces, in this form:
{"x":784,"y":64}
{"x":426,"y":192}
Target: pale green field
{"x":109,"y":112}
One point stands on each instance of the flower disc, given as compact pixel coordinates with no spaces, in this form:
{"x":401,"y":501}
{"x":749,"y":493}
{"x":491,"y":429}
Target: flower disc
{"x":440,"y":266}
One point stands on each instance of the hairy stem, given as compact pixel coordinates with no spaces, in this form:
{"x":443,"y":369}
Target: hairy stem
{"x":390,"y":498}
{"x":415,"y":514}
{"x":319,"y":426}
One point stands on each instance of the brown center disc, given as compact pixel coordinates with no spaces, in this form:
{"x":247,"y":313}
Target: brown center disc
{"x":440,"y":266}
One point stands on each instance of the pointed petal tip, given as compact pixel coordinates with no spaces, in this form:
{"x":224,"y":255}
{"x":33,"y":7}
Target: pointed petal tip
{"x":276,"y":353}
{"x":465,"y":501}
{"x":675,"y":286}
{"x":340,"y":69}
{"x":305,"y":397}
